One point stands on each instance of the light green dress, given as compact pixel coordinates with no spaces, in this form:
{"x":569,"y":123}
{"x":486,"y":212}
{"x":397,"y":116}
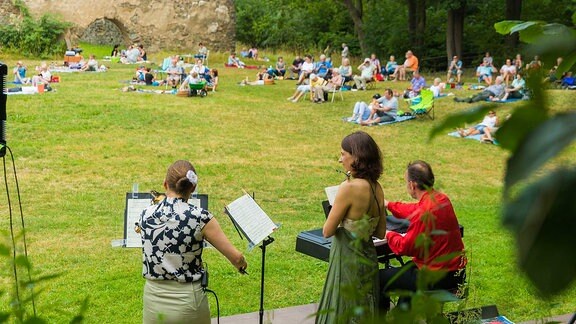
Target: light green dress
{"x":351,"y":289}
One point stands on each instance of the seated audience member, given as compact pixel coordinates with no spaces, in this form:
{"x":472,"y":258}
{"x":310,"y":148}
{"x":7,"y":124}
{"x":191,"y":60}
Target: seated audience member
{"x":234,"y":61}
{"x":140,"y":74}
{"x":306,"y":69}
{"x":484,"y":73}
{"x":568,"y":80}
{"x":362,"y":110}
{"x":132,"y":55}
{"x":174,"y":73}
{"x":490,"y":120}
{"x":150,"y":78}
{"x":386,"y":109}
{"x":410,"y":65}
{"x":552,"y":73}
{"x":376,"y":62}
{"x":91,"y":65}
{"x":280,"y":69}
{"x":43,"y":77}
{"x":201,"y":69}
{"x":488,"y":59}
{"x":296,"y":67}
{"x":388,"y":70}
{"x":535,"y":64}
{"x":253,"y":53}
{"x":432,"y":213}
{"x":346,"y":70}
{"x":142,"y":56}
{"x":115,"y":51}
{"x":518,"y":63}
{"x":202,"y":51}
{"x":244,"y":53}
{"x":20,"y":73}
{"x":508,"y":71}
{"x":330,"y":85}
{"x":416,"y":85}
{"x":495,"y":90}
{"x":300,"y":91}
{"x":322,"y":67}
{"x":316,"y":82}
{"x":213,"y":83}
{"x":455,"y":69}
{"x":516,"y":89}
{"x":437,"y":87}
{"x":261,"y":77}
{"x":192,"y":78}
{"x":366,"y":74}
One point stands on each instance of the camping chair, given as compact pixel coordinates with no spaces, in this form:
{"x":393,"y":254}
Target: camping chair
{"x":425,"y":106}
{"x":338,"y":90}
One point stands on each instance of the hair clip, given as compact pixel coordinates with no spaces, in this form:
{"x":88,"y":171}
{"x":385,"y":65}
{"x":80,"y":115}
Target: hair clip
{"x":192,"y":177}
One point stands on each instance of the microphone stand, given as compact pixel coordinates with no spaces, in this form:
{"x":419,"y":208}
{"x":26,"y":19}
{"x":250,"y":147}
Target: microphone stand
{"x":266,"y":242}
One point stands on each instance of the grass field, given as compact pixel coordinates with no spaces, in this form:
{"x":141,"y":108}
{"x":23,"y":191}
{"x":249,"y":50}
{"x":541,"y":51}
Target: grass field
{"x":79,"y":149}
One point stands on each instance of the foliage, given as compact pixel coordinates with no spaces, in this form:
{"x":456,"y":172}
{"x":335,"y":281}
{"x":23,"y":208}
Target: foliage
{"x":31,"y":37}
{"x":537,"y":204}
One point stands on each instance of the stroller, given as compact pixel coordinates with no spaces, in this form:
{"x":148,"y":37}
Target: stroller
{"x":198,"y":89}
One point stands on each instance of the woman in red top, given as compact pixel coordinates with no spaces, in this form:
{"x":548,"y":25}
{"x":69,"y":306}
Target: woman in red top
{"x":433,"y":234}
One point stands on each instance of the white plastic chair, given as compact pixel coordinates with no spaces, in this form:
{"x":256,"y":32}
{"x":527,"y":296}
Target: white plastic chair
{"x":338,"y":90}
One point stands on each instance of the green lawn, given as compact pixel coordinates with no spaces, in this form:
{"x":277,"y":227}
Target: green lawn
{"x":79,"y":149}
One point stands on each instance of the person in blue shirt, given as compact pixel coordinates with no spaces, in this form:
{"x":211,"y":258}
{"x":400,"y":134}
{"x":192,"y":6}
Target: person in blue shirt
{"x":322,"y":67}
{"x":20,"y":73}
{"x":455,"y":69}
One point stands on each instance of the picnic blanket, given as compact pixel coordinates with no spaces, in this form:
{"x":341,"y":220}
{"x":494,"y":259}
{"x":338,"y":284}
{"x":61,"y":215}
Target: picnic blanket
{"x":397,"y":120}
{"x":245,"y":66}
{"x":477,"y":137}
{"x":505,"y":101}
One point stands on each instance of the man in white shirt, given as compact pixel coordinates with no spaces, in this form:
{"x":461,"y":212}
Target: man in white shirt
{"x":366,"y":74}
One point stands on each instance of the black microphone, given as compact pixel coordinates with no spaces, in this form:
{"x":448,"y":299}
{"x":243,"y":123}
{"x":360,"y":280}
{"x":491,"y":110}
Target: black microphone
{"x":3,"y":97}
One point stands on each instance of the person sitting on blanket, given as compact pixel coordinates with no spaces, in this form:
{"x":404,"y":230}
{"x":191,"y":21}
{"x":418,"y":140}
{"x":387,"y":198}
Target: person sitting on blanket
{"x":44,"y":76}
{"x":235,"y":62}
{"x":213,"y":80}
{"x":437,"y":87}
{"x":91,"y":65}
{"x":150,"y":79}
{"x":416,"y":84}
{"x":508,"y":71}
{"x":20,"y":73}
{"x":495,"y":90}
{"x":515,"y":90}
{"x":490,"y":121}
{"x":362,"y":110}
{"x":385,"y":111}
{"x":192,"y":78}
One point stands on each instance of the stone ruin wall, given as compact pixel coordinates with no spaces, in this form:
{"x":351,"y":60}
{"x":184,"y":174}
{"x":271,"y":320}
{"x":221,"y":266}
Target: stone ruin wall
{"x":157,"y":24}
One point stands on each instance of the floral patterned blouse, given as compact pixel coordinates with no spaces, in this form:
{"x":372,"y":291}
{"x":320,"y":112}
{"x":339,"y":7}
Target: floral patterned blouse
{"x":172,"y":240}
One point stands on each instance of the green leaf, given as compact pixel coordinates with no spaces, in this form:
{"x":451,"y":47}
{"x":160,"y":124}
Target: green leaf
{"x":505,"y":27}
{"x":542,"y":218}
{"x":4,"y":250}
{"x":543,"y":143}
{"x":471,"y":115}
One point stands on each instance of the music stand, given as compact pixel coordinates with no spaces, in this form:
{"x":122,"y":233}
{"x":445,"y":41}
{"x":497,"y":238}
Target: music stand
{"x":242,"y":218}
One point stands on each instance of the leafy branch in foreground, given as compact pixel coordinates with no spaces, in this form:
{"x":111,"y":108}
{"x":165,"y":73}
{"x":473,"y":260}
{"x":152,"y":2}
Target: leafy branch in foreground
{"x":537,"y":209}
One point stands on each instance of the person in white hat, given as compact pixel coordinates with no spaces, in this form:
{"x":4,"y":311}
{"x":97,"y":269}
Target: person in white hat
{"x":367,"y":70}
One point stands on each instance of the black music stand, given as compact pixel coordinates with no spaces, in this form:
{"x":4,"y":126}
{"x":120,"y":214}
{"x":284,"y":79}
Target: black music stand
{"x":267,"y":241}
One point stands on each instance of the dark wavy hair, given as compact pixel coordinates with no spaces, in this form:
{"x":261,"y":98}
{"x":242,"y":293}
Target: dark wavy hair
{"x":176,"y":178}
{"x":367,"y":156}
{"x":421,"y":173}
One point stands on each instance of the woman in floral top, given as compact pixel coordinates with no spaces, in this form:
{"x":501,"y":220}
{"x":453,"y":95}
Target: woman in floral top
{"x":173,"y":234}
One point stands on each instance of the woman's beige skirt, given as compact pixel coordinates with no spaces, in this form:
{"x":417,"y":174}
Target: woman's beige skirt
{"x":168,"y":301}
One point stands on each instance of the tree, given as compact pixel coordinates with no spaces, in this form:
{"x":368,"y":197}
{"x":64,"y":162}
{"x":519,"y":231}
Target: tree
{"x":455,"y":28}
{"x":355,"y":8}
{"x":513,"y":12}
{"x":416,"y":24}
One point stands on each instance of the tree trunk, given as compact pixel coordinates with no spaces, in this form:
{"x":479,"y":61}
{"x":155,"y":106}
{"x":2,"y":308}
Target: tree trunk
{"x":513,"y":12}
{"x":355,"y":9}
{"x":455,"y":31}
{"x":416,"y":24}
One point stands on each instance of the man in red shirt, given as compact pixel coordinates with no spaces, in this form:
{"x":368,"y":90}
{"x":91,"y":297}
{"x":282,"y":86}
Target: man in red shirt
{"x":433,"y":239}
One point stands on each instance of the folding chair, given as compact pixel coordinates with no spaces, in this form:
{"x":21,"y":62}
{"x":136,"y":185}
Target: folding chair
{"x":205,"y":58}
{"x":338,"y":90}
{"x":425,"y":106}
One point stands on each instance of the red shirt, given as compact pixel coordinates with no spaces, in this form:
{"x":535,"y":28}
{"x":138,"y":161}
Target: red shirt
{"x":434,"y":216}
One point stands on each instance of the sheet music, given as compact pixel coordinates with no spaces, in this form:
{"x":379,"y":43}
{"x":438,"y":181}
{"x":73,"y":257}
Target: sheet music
{"x":251,"y":219}
{"x":331,"y":193}
{"x":134,"y":209}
